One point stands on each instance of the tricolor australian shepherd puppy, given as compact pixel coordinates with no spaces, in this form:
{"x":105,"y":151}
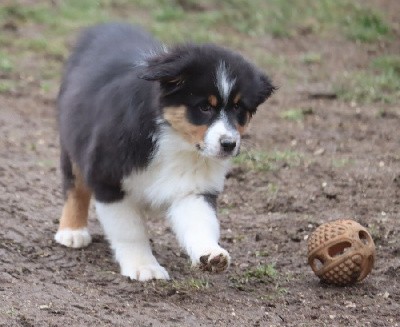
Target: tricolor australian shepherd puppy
{"x":149,"y":130}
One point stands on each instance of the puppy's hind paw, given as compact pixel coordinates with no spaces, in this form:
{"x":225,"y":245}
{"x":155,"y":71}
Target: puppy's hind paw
{"x":77,"y":238}
{"x":216,"y":261}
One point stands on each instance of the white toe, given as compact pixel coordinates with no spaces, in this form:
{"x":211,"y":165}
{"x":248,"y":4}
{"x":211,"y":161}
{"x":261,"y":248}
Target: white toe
{"x":77,"y":238}
{"x":145,"y":273}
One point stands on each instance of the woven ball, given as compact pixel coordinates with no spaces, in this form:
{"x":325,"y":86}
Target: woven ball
{"x":341,"y":252}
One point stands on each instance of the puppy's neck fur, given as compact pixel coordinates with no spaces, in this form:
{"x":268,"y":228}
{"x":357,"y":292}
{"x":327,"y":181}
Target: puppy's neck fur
{"x":176,"y":170}
{"x":174,"y":148}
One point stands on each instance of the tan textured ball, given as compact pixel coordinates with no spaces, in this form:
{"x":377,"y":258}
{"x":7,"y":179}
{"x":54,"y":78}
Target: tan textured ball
{"x":341,"y":252}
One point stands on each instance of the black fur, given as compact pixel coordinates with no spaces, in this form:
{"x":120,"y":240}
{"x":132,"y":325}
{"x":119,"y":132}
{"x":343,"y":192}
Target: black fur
{"x":211,"y":199}
{"x":187,"y":75}
{"x":112,"y":94}
{"x":68,"y":176}
{"x":106,"y":113}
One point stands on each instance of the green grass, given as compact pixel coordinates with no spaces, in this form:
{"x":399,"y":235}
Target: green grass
{"x":6,"y":64}
{"x":296,"y":114}
{"x":55,"y":49}
{"x":366,"y":25}
{"x":268,"y":60}
{"x":279,"y":18}
{"x":13,"y":312}
{"x":261,"y":271}
{"x":262,"y":274}
{"x":19,"y":13}
{"x":364,"y":87}
{"x":311,"y":58}
{"x":244,"y":25}
{"x":379,"y":83}
{"x":388,"y":63}
{"x":272,"y":62}
{"x":7,"y":86}
{"x":168,"y":14}
{"x":265,"y":276}
{"x":46,"y":87}
{"x":209,"y":20}
{"x":57,"y":13}
{"x":191,"y":284}
{"x":263,"y":161}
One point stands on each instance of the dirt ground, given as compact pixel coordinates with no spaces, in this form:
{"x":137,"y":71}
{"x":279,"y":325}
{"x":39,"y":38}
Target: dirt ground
{"x":348,"y":167}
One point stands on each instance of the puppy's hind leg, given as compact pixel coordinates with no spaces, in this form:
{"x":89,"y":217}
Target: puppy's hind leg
{"x":72,"y":231}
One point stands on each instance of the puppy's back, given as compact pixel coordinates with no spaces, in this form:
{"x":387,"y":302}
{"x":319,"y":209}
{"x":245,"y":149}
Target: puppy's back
{"x":100,"y":104}
{"x":105,"y":50}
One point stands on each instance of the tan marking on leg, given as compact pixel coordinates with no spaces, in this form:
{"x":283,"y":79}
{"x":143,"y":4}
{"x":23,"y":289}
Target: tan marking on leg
{"x":76,"y":207}
{"x":212,"y":99}
{"x":176,"y":116}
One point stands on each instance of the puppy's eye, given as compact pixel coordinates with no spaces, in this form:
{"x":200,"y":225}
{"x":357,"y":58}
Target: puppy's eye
{"x":236,"y":107}
{"x":206,"y":108}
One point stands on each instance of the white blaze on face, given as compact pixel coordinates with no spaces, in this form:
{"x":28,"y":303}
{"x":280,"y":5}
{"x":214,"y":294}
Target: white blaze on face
{"x":224,"y":82}
{"x":220,"y":129}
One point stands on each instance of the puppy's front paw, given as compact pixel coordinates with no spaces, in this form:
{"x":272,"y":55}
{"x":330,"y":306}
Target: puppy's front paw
{"x":145,"y":272}
{"x":77,"y":238}
{"x":216,"y":261}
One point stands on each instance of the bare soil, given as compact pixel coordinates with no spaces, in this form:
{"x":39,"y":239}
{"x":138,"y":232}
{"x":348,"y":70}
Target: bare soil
{"x":349,"y":167}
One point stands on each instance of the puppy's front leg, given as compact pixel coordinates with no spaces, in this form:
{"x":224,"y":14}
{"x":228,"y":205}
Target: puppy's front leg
{"x":127,"y":234}
{"x":195,"y":224}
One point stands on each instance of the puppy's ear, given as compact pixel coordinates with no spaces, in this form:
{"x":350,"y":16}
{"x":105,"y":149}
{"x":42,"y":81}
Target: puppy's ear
{"x":168,"y":68}
{"x":265,"y":88}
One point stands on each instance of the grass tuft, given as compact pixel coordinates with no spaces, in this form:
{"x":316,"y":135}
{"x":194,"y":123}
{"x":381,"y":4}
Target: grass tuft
{"x":6,"y":86}
{"x":262,"y":161}
{"x":262,"y":271}
{"x":366,"y":25}
{"x":261,"y":274}
{"x":168,"y":14}
{"x":379,"y":83}
{"x":310,"y":58}
{"x":388,"y":63}
{"x":296,"y":114}
{"x":191,"y":284}
{"x":6,"y":64}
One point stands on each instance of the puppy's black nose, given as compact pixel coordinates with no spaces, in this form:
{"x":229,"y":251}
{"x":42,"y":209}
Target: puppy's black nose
{"x":228,"y":145}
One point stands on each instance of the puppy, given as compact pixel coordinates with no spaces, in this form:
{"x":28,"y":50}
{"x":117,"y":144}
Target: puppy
{"x":148,"y":130}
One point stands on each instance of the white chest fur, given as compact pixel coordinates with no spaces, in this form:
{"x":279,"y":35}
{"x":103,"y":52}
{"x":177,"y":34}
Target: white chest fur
{"x":176,"y":170}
